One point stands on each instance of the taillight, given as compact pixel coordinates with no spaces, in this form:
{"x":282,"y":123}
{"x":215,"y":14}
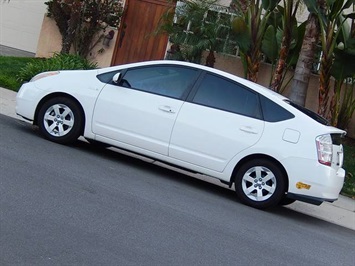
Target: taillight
{"x":325,"y":149}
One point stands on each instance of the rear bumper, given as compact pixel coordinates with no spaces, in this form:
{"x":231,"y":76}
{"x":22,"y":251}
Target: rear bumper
{"x":309,"y":199}
{"x":311,"y":181}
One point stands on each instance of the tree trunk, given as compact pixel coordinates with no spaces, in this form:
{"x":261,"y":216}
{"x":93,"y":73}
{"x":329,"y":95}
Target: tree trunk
{"x":253,"y":63}
{"x":305,"y":61}
{"x":324,"y":75}
{"x":73,"y":25}
{"x":289,"y":19}
{"x":335,"y":103}
{"x":211,"y":59}
{"x":253,"y":55}
{"x":281,"y":64}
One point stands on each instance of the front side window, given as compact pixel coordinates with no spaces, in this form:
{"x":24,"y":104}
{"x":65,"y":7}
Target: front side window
{"x":170,"y":81}
{"x":227,"y":95}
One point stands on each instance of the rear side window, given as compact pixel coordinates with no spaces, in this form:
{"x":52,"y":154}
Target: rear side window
{"x":227,"y":95}
{"x":273,"y":112}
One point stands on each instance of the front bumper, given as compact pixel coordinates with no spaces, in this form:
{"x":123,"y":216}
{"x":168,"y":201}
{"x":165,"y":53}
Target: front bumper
{"x":27,"y":100}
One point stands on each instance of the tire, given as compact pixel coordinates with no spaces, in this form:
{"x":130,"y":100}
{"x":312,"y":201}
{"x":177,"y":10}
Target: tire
{"x":60,"y":120}
{"x":260,"y":184}
{"x":286,"y":201}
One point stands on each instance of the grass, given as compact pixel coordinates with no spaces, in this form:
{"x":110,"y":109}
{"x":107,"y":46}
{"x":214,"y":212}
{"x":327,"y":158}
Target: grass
{"x":10,"y":67}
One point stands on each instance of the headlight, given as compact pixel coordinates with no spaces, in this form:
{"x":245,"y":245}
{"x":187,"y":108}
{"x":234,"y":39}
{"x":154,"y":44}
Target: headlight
{"x":44,"y":74}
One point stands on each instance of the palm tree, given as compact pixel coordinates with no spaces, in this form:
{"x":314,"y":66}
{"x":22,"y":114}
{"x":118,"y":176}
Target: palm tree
{"x":331,"y":20}
{"x":289,"y":24}
{"x":305,"y":61}
{"x":196,"y":27}
{"x":250,"y":28}
{"x":342,"y":69}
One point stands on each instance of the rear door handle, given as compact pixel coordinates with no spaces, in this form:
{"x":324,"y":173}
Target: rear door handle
{"x":248,"y":129}
{"x":166,"y":108}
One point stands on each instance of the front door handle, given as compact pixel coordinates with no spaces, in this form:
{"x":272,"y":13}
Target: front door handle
{"x":166,"y":108}
{"x":248,"y":129}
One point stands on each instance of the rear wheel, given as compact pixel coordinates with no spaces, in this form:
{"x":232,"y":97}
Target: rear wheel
{"x":286,"y":201}
{"x":260,"y":184}
{"x":60,"y":120}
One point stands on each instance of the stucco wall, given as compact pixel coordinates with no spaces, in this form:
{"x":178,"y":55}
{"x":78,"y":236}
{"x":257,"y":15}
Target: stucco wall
{"x":20,"y":23}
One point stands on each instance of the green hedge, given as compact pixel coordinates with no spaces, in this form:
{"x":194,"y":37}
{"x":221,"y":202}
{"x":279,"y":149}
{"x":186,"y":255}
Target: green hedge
{"x":57,"y":62}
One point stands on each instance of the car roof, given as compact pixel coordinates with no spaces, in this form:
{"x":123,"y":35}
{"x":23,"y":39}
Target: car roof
{"x":280,"y":99}
{"x":257,"y":87}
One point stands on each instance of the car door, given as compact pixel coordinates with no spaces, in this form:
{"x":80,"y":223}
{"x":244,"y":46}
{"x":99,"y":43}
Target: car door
{"x":141,"y":109}
{"x":221,"y":119}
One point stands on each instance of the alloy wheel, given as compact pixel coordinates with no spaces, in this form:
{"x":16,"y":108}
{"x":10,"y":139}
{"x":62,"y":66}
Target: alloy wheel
{"x":58,"y":120}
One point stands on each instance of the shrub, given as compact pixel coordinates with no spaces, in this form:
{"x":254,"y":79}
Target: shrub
{"x":57,"y":62}
{"x":8,"y":82}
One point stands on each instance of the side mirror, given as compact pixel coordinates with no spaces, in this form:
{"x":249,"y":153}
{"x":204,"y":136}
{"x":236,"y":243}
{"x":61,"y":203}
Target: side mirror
{"x":116,"y":78}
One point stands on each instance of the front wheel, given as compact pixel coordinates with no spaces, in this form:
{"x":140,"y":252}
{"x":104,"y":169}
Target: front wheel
{"x":260,"y":184}
{"x":60,"y":120}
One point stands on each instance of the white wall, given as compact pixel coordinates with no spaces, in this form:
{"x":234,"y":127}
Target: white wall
{"x":20,"y":23}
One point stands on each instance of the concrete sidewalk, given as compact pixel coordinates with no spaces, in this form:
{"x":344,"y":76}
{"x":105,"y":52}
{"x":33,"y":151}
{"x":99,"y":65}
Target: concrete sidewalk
{"x":341,"y":212}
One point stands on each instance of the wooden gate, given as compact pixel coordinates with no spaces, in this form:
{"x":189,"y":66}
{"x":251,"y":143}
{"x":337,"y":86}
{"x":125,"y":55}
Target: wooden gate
{"x":136,"y":41}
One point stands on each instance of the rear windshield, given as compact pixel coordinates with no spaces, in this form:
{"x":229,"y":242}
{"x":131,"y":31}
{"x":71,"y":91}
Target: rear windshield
{"x":310,"y":113}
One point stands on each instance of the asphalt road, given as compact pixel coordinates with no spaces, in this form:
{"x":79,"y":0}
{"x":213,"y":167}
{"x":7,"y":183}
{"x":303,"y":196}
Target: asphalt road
{"x":65,"y":205}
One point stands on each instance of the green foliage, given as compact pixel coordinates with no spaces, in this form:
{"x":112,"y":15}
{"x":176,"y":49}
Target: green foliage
{"x":196,"y":27}
{"x":349,"y":166}
{"x":57,"y":62}
{"x":270,"y":46}
{"x":249,"y":34}
{"x":343,"y":68}
{"x":334,"y":28}
{"x":343,"y":65}
{"x":9,"y":67}
{"x":347,"y":107}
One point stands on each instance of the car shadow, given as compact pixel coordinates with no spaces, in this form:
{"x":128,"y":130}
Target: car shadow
{"x":206,"y":185}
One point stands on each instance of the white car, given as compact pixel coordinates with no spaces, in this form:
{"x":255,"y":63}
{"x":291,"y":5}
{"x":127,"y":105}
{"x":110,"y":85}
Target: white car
{"x":196,"y":118}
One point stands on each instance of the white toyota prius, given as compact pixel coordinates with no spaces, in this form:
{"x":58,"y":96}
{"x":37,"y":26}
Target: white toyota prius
{"x":196,"y":118}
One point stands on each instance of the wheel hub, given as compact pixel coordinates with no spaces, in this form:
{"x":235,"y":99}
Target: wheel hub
{"x":259,"y":183}
{"x":58,"y":120}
